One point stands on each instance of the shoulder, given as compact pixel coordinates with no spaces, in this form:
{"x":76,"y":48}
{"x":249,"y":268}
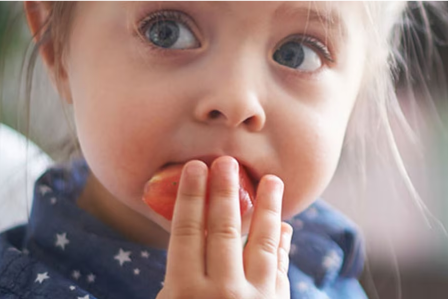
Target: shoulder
{"x":22,"y":276}
{"x":326,"y":245}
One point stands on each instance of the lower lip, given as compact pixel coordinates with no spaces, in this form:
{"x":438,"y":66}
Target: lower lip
{"x":160,"y":192}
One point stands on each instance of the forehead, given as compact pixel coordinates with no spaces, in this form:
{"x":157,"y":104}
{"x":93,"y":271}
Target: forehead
{"x":326,"y":10}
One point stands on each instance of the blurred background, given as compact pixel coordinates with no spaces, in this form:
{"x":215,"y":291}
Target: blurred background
{"x":406,"y":245}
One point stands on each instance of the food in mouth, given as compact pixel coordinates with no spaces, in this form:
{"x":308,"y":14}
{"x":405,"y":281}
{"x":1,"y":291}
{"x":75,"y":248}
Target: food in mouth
{"x":160,"y":191}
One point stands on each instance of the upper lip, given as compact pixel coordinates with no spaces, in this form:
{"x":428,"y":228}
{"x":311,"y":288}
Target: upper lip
{"x":253,"y":173}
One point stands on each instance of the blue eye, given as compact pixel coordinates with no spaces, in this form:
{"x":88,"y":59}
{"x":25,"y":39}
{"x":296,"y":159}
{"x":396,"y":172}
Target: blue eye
{"x":168,"y":29}
{"x":297,"y":55}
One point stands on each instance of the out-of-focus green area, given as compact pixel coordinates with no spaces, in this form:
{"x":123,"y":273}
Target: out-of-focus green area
{"x":13,"y":41}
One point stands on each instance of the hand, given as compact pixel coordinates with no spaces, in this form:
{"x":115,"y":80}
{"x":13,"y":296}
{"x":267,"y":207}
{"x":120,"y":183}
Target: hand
{"x":214,"y":265}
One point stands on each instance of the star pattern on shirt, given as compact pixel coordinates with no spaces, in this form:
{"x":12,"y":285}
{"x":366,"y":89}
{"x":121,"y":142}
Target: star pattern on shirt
{"x":72,"y":288}
{"x":41,"y":277}
{"x":76,"y":274}
{"x":293,"y":249}
{"x":298,"y":224}
{"x":123,"y":256}
{"x":144,"y":254}
{"x":312,"y":213}
{"x":61,"y":240}
{"x":91,"y":278}
{"x":44,"y":189}
{"x":14,"y":249}
{"x":136,"y":271}
{"x":85,"y":297}
{"x":53,"y":200}
{"x":302,"y":286}
{"x":331,"y":260}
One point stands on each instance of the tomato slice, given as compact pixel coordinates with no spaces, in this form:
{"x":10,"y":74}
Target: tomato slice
{"x":160,"y":191}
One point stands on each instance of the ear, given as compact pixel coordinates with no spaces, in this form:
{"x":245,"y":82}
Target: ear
{"x":37,"y":13}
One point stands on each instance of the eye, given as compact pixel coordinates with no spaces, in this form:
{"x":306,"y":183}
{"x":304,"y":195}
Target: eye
{"x":168,"y":29}
{"x":298,"y":55}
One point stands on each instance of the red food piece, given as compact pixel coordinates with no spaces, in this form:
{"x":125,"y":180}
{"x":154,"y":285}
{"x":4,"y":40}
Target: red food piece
{"x":161,"y":191}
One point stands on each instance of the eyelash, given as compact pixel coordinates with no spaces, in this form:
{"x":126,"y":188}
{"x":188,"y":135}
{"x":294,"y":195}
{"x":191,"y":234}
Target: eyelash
{"x":166,"y":15}
{"x":178,"y":16}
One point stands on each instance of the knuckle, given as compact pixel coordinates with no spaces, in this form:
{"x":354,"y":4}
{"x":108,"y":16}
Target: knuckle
{"x":186,"y":229}
{"x":273,"y":211}
{"x":268,"y":245}
{"x":192,"y":195}
{"x":226,"y":193}
{"x":283,"y":263}
{"x":225,"y":230}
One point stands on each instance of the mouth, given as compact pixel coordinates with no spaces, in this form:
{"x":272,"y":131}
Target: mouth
{"x":160,"y":192}
{"x":253,"y":174}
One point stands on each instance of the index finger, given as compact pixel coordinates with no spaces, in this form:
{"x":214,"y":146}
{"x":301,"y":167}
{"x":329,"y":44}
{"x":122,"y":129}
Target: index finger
{"x":186,"y":247}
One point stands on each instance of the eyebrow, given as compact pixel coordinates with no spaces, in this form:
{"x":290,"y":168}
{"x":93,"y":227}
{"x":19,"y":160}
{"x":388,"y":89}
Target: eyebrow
{"x":218,"y":5}
{"x":327,"y":18}
{"x":286,"y":11}
{"x":223,"y":6}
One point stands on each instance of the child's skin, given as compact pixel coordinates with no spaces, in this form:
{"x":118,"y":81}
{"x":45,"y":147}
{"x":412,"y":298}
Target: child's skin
{"x":137,"y":109}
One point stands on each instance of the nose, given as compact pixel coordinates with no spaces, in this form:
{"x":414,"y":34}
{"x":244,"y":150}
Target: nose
{"x":233,"y":96}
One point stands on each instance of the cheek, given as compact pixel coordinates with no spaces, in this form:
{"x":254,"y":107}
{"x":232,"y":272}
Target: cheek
{"x":120,"y":135}
{"x":310,"y":151}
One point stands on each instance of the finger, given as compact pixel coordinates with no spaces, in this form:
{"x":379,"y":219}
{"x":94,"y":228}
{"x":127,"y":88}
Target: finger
{"x":224,"y":246}
{"x":260,"y":254}
{"x":186,"y":247}
{"x":282,"y":284}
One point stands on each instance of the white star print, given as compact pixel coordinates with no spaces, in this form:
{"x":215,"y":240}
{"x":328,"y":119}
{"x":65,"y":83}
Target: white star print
{"x":76,"y":274}
{"x":72,"y":287}
{"x":302,"y":286}
{"x":298,"y":224}
{"x":41,"y":277}
{"x":144,"y":254}
{"x":44,"y":189}
{"x":163,"y":283}
{"x":85,"y":297}
{"x":312,"y":213}
{"x":293,"y":249}
{"x":61,"y":240}
{"x":53,"y":200}
{"x":123,"y":256}
{"x":91,"y":278}
{"x":136,"y":271}
{"x":331,"y":260}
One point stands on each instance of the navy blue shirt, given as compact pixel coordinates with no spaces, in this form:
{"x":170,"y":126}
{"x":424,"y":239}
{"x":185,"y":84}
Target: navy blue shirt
{"x":64,"y":252}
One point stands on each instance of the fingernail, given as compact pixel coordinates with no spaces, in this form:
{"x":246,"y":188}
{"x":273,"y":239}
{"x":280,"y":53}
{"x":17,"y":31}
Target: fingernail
{"x":286,"y":237}
{"x":227,"y":165}
{"x":194,"y":169}
{"x":276,"y":184}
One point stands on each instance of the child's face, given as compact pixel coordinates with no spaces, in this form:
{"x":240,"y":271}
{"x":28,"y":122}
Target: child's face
{"x":139,"y":107}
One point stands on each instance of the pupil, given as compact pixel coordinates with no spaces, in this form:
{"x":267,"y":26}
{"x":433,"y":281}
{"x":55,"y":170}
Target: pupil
{"x":164,"y":34}
{"x":290,"y":54}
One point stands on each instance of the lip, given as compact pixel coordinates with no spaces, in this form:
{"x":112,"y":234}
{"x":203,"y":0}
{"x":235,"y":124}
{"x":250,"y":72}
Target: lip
{"x":253,"y":174}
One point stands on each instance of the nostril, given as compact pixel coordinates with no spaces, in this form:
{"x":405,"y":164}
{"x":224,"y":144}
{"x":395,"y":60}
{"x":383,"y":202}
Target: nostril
{"x":214,"y":114}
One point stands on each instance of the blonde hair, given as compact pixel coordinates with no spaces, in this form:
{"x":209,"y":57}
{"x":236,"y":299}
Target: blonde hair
{"x":389,"y":26}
